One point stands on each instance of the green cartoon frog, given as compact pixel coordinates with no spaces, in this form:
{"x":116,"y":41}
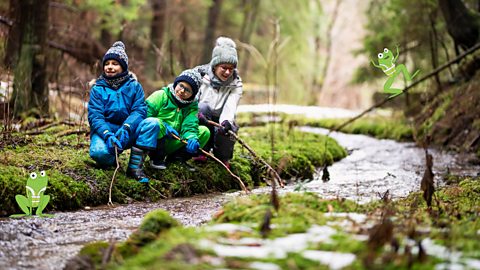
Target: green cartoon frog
{"x":386,"y":62}
{"x":36,"y":186}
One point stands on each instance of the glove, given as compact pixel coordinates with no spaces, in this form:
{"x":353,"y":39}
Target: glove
{"x":202,"y":119}
{"x":112,"y":141}
{"x":170,"y":130}
{"x":227,"y":126}
{"x":192,"y":145}
{"x":123,"y":135}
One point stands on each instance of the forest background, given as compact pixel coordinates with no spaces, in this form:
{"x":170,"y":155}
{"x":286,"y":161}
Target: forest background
{"x":308,"y":52}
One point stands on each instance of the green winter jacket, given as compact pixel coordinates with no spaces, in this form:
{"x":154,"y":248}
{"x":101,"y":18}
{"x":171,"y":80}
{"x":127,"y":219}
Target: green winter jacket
{"x":161,"y":104}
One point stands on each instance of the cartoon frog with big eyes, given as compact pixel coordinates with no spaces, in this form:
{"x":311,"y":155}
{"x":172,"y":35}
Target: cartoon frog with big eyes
{"x":386,"y":62}
{"x":36,"y":186}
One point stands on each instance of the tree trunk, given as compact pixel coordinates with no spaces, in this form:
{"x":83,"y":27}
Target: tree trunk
{"x":157,"y":28}
{"x":30,"y":93}
{"x":13,"y":41}
{"x":183,"y":48}
{"x":250,"y":9}
{"x":213,"y":14}
{"x":462,"y":25}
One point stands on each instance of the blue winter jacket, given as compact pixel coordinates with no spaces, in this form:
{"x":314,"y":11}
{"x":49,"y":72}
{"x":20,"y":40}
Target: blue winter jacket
{"x":108,"y":109}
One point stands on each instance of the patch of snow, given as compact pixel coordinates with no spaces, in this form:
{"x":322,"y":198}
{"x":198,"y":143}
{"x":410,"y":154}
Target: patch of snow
{"x":334,"y":260}
{"x":472,"y":263}
{"x":357,"y":217}
{"x":264,"y":266}
{"x":228,"y":227}
{"x":449,"y":266}
{"x":441,"y":252}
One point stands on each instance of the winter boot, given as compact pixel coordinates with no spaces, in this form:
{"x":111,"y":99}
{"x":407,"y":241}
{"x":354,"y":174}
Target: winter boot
{"x":135,"y":163}
{"x":182,"y":156}
{"x":157,"y":157}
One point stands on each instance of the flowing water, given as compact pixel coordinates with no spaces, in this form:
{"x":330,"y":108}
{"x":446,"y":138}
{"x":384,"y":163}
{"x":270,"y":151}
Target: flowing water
{"x":372,"y":167}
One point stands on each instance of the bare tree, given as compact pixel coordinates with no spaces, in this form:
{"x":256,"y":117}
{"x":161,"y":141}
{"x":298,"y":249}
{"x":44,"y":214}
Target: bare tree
{"x":157,"y":29}
{"x":213,"y":14}
{"x":250,"y":9}
{"x":13,"y":42}
{"x":463,"y":25}
{"x":30,"y":93}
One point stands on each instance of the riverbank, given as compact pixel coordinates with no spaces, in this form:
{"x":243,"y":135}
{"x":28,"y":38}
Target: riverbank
{"x":249,"y":233}
{"x":76,"y":182}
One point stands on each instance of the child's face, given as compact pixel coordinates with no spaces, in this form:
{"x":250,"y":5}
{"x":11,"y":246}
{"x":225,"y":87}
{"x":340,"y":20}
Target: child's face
{"x":183,"y":90}
{"x":224,"y":71}
{"x":112,"y":68}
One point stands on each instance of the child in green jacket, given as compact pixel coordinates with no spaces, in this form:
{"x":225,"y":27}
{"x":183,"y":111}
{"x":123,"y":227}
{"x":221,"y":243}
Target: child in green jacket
{"x":171,"y":110}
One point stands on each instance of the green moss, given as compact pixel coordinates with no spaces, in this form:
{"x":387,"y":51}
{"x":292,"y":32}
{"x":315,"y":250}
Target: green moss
{"x":75,"y":181}
{"x":252,"y":210}
{"x":380,"y":127}
{"x":157,"y":221}
{"x":394,"y":127}
{"x":453,"y":223}
{"x":439,"y":112}
{"x":295,"y":153}
{"x":94,"y":252}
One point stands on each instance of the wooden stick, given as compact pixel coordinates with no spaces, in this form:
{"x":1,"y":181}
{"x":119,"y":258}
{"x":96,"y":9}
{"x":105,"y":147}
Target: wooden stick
{"x":276,"y":177}
{"x":242,"y":185}
{"x":110,"y":203}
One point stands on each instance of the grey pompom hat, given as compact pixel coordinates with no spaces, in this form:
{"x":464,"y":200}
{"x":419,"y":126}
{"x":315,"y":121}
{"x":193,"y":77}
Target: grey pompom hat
{"x":225,"y":52}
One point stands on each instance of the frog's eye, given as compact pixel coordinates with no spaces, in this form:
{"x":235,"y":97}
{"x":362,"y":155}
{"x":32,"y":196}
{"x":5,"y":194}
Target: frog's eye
{"x":385,"y":50}
{"x":42,"y":173}
{"x":33,"y":175}
{"x":380,"y":55}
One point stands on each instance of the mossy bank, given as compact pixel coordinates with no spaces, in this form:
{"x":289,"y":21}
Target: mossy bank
{"x":75,"y":181}
{"x":329,"y":234}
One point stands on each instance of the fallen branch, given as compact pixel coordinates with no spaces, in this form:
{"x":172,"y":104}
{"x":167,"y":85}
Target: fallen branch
{"x":73,"y":131}
{"x":276,"y":177}
{"x":242,"y":185}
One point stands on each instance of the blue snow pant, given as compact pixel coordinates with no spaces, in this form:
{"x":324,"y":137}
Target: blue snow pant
{"x":98,"y":147}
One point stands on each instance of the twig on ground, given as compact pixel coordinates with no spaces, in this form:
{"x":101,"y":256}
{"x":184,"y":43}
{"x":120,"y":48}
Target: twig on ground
{"x":274,"y":173}
{"x":242,"y":185}
{"x":110,"y":203}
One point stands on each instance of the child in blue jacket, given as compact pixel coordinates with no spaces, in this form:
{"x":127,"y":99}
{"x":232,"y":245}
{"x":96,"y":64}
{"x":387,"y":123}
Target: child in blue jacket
{"x":116,"y":107}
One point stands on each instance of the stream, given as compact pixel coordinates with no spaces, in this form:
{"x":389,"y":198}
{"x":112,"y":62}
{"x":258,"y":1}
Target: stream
{"x":372,"y":167}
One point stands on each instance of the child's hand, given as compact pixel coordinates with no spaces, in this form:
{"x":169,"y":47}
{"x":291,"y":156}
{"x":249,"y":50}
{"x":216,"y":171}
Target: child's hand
{"x":123,"y":135}
{"x":192,"y":145}
{"x":227,"y":126}
{"x":170,"y":130}
{"x":112,"y":141}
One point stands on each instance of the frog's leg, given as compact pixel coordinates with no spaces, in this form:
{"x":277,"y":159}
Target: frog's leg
{"x":405,"y":72}
{"x":42,"y":204}
{"x":387,"y":87}
{"x":24,"y":204}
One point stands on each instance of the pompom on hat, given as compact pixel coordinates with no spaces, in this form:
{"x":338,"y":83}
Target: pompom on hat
{"x":192,"y":77}
{"x":225,"y":52}
{"x":117,"y":52}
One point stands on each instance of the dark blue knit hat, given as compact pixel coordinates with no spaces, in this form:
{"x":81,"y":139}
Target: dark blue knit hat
{"x":117,"y":52}
{"x":192,"y":77}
